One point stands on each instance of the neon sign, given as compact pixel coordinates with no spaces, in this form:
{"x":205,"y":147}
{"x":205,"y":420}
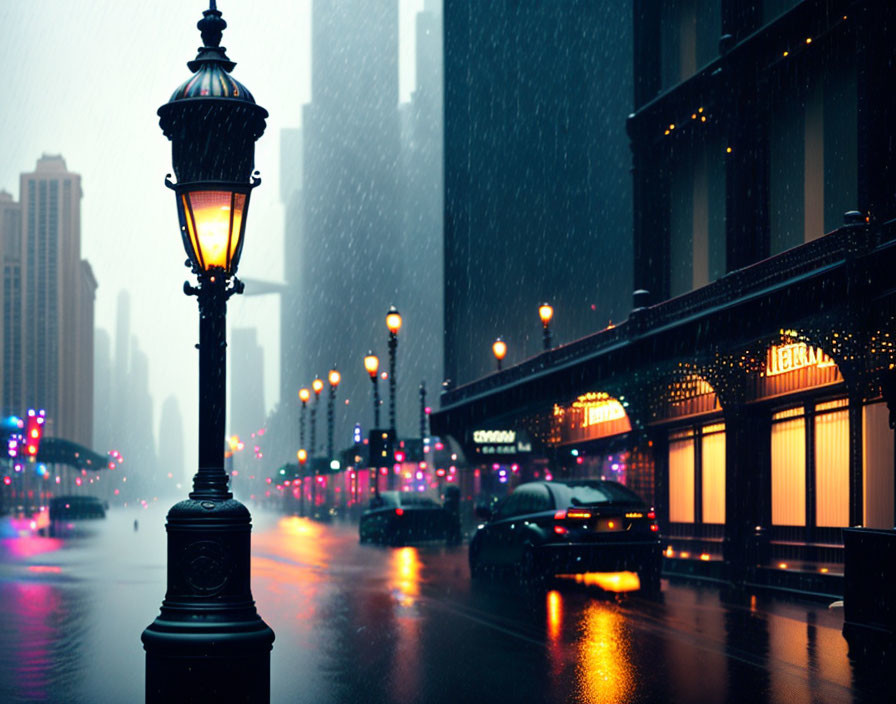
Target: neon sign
{"x":798,"y":355}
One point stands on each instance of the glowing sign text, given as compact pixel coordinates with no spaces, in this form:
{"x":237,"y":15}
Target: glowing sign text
{"x":789,"y":358}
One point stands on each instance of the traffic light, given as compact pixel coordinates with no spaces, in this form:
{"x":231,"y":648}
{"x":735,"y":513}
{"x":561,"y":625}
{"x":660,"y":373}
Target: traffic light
{"x":34,"y":430}
{"x":381,"y":444}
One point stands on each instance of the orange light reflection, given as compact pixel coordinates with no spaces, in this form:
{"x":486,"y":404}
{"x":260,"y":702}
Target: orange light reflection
{"x":406,"y":575}
{"x":605,"y":670}
{"x":608,"y":581}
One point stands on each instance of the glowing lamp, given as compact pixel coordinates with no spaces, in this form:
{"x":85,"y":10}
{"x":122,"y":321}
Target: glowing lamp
{"x":393,"y":320}
{"x":304,"y":395}
{"x":334,"y":378}
{"x":499,"y":348}
{"x":212,"y":224}
{"x":302,"y":456}
{"x":317,"y":385}
{"x":372,"y":363}
{"x":545,"y":312}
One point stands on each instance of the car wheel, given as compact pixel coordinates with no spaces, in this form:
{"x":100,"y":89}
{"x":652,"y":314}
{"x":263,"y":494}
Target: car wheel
{"x":529,"y":574}
{"x":477,"y":569}
{"x":650,"y":583}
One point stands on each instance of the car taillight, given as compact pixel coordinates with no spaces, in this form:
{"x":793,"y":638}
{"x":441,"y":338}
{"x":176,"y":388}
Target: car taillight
{"x":560,"y":515}
{"x":399,"y":512}
{"x":654,"y":527}
{"x":651,"y":514}
{"x":560,"y":530}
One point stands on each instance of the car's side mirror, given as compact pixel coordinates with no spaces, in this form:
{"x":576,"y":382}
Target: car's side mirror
{"x":483,"y":512}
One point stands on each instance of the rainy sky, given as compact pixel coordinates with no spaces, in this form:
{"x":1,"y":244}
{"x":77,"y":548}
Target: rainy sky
{"x":85,"y":80}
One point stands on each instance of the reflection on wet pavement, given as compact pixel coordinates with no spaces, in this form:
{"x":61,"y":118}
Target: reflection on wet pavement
{"x":372,"y":624}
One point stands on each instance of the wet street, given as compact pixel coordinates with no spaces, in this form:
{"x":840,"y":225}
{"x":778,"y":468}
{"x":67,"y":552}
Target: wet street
{"x":366,"y":624}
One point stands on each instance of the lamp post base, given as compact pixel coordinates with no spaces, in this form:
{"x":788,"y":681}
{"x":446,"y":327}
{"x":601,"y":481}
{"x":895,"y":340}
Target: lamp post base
{"x":208,"y":642}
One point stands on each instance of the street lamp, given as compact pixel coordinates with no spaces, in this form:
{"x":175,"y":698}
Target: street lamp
{"x":499,"y":348}
{"x":546,"y":313}
{"x":304,"y":395}
{"x":393,"y":322}
{"x":334,"y":378}
{"x":208,"y":640}
{"x":372,"y":365}
{"x":317,"y":386}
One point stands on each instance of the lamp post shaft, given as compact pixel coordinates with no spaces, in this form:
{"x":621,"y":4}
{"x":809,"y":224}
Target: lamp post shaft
{"x":422,"y":409}
{"x":376,"y":401}
{"x":302,"y":424}
{"x":331,"y":400}
{"x":548,"y":342}
{"x":393,"y":348}
{"x":314,"y":426}
{"x":210,"y":481}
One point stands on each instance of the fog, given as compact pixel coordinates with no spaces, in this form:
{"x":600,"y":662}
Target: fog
{"x":84,"y":80}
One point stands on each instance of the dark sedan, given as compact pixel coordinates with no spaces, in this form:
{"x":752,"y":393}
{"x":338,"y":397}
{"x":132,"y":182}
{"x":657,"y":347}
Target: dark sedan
{"x":399,"y":518}
{"x":567,"y":528}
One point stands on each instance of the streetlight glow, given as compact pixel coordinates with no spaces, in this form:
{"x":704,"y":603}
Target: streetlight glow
{"x":371,"y":364}
{"x":499,"y":347}
{"x":393,"y":320}
{"x":545,"y":312}
{"x":304,"y":395}
{"x":334,"y":378}
{"x":317,"y":385}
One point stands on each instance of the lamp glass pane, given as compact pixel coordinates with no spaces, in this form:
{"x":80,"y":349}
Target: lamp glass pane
{"x":214,"y":221}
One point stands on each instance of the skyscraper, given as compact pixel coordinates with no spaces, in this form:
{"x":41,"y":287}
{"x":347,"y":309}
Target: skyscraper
{"x":57,"y":297}
{"x":11,"y":305}
{"x":536,"y":96}
{"x":247,"y":407}
{"x":350,"y":268}
{"x":422,"y":192}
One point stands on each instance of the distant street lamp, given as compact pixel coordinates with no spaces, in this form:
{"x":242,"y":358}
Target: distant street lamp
{"x":372,"y":365}
{"x":334,"y":378}
{"x":317,"y":386}
{"x":393,"y":322}
{"x":208,"y":640}
{"x":499,"y":348}
{"x":546,"y":313}
{"x":304,"y":395}
{"x":422,"y":409}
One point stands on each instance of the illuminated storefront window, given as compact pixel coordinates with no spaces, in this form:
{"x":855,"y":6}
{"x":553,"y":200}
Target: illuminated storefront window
{"x":789,"y":468}
{"x":691,"y":451}
{"x":681,"y":477}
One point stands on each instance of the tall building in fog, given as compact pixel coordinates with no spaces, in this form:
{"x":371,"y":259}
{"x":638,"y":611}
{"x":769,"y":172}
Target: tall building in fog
{"x":11,"y":305}
{"x":350,"y":268}
{"x":102,"y":391}
{"x":422,"y":191}
{"x":247,"y":408}
{"x":292,"y":196}
{"x":536,"y":164}
{"x":171,"y":442}
{"x":48,"y":302}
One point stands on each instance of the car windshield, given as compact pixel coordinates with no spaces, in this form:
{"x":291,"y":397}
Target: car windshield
{"x":419,"y":501}
{"x":593,"y":493}
{"x":385,"y":499}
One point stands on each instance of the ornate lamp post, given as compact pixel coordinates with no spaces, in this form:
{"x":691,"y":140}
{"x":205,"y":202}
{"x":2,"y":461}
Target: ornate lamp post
{"x":499,"y":349}
{"x":393,"y":322}
{"x":372,"y":365}
{"x":546,"y":313}
{"x":208,"y":641}
{"x":304,"y":395}
{"x":317,"y":385}
{"x":334,"y":378}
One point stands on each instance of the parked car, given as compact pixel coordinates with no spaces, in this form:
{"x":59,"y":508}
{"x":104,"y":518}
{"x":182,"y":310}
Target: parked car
{"x":71,"y":508}
{"x":399,"y":518}
{"x":549,"y":528}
